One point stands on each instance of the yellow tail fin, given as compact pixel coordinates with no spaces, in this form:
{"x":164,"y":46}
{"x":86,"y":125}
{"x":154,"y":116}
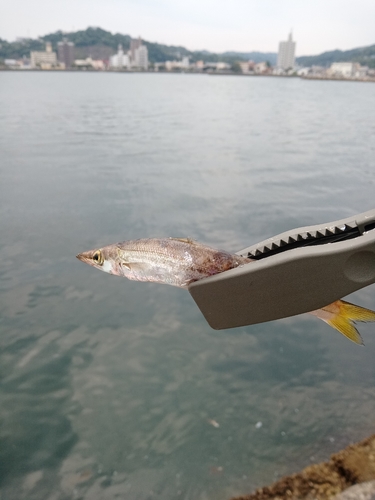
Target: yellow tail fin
{"x":341,"y":315}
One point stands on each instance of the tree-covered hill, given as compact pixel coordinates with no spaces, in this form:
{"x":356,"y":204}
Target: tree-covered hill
{"x":362,"y":55}
{"x":18,"y":49}
{"x":93,"y":41}
{"x":101,"y":44}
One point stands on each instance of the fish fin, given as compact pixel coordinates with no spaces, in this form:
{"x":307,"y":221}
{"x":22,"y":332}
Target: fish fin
{"x":341,"y":315}
{"x":346,"y":327}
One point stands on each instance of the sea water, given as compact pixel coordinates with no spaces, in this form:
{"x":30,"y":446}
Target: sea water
{"x":116,"y":389}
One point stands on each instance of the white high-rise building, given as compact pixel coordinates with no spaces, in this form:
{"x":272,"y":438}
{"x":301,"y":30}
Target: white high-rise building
{"x":135,"y":43}
{"x":141,"y":57}
{"x":286,"y":56}
{"x":120,"y":60}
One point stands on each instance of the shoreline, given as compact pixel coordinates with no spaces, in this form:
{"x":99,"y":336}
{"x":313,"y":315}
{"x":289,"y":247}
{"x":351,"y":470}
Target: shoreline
{"x":352,"y":467}
{"x":209,"y":73}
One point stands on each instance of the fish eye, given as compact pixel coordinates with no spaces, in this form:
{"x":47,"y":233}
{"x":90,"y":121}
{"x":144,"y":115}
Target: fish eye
{"x":97,"y":257}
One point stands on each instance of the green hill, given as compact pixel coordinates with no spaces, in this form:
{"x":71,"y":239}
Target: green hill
{"x":362,"y":55}
{"x":100,"y":44}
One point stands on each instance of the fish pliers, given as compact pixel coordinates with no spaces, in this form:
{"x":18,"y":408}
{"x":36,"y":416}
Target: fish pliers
{"x":292,"y":273}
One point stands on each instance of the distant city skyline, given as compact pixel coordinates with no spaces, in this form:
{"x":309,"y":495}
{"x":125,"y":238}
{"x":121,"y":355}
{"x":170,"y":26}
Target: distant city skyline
{"x":203,"y":24}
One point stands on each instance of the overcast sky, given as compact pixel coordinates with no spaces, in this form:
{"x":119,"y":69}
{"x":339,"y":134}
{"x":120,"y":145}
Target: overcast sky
{"x":215,"y":25}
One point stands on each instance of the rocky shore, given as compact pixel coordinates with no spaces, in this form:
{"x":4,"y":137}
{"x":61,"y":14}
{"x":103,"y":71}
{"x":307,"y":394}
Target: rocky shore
{"x":348,"y":475}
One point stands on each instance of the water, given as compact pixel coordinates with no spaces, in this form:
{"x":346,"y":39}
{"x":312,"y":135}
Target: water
{"x":108,"y":386}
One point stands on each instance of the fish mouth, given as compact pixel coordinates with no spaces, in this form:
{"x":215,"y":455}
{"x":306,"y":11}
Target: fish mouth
{"x":85,"y":257}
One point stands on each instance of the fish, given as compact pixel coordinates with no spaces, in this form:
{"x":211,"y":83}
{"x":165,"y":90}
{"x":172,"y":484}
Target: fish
{"x":182,"y":261}
{"x":172,"y":261}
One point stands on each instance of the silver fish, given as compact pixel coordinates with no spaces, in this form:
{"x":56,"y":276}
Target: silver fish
{"x":173,"y":261}
{"x":181,"y":261}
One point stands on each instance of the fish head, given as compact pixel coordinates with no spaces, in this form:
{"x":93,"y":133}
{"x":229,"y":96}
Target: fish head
{"x":107,"y":259}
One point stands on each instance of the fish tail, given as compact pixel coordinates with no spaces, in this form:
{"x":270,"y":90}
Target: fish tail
{"x":342,"y":315}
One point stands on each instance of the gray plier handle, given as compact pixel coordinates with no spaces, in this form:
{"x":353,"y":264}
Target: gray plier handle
{"x":292,"y":273}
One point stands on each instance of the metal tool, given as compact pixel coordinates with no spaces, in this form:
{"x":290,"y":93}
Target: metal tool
{"x":292,"y":273}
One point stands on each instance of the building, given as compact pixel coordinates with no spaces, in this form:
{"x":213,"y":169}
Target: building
{"x":286,"y":55}
{"x":344,"y":69}
{"x":138,"y":54}
{"x":348,"y":70}
{"x":135,"y":43}
{"x":12,"y":63}
{"x":171,"y":65}
{"x":23,"y":63}
{"x":304,"y":71}
{"x":222,"y":66}
{"x":141,"y":57}
{"x":261,"y":68}
{"x":89,"y":63}
{"x":361,"y":71}
{"x":44,"y":60}
{"x":119,"y":60}
{"x":65,"y":53}
{"x":244,"y":65}
{"x":185,"y":63}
